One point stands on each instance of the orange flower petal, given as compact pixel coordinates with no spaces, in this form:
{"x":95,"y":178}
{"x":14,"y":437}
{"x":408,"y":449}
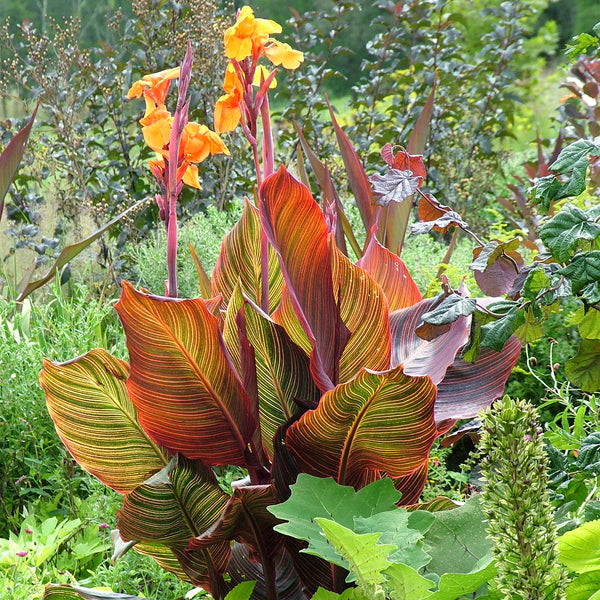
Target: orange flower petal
{"x":190,"y":177}
{"x":198,"y":141}
{"x":227,"y":113}
{"x":262,"y":73}
{"x":247,"y":33}
{"x":282,"y":54}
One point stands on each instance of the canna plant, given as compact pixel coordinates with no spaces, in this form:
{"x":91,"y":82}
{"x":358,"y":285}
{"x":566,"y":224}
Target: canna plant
{"x":294,"y":360}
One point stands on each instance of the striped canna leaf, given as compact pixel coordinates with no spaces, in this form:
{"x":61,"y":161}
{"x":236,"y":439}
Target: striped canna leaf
{"x":377,"y":421}
{"x":188,"y":396}
{"x":94,"y":417}
{"x":239,"y":261}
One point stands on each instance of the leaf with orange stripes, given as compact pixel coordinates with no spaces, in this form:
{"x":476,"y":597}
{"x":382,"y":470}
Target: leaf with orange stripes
{"x":94,"y":417}
{"x":390,"y":272}
{"x":182,"y":382}
{"x":239,"y":261}
{"x":297,"y":229}
{"x":364,"y":311}
{"x":377,"y":421}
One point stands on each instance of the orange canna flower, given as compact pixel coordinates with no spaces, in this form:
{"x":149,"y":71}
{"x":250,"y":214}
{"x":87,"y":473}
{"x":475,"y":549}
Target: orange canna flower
{"x":283,"y":54}
{"x":261,"y":74}
{"x":198,"y":141}
{"x":155,"y":85}
{"x":156,"y":129}
{"x":227,"y":112}
{"x":186,"y":172}
{"x":247,"y":34}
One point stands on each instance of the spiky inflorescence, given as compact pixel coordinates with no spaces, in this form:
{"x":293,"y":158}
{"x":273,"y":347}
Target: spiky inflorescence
{"x":521,"y":523}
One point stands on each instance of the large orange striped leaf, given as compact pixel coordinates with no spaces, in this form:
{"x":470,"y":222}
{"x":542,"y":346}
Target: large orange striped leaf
{"x":285,"y":316}
{"x":390,"y":272}
{"x":377,"y":421}
{"x":364,"y":311}
{"x":182,"y":382}
{"x":239,"y":261}
{"x":421,"y":357}
{"x":282,"y":371}
{"x":171,"y":508}
{"x":297,"y":229}
{"x":94,"y":417}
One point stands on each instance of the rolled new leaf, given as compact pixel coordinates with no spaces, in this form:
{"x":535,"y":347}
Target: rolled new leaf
{"x":188,"y":397}
{"x":94,"y":417}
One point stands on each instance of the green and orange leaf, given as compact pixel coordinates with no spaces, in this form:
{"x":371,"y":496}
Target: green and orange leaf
{"x":239,"y":261}
{"x":364,"y":311}
{"x":377,"y":421}
{"x":182,"y":381}
{"x":94,"y":417}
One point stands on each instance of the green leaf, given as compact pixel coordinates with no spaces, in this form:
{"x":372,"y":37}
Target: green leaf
{"x":495,"y":334}
{"x":407,"y":584}
{"x":577,"y":181}
{"x":403,"y":529}
{"x":457,"y":541}
{"x":591,"y":293}
{"x":546,"y":189}
{"x":366,"y":558}
{"x":11,"y":156}
{"x":579,"y":549}
{"x":536,"y":281}
{"x":315,"y":497}
{"x":585,"y":587}
{"x":457,"y":585}
{"x":450,"y":309}
{"x":572,"y":154}
{"x":94,"y":417}
{"x":582,"y":370}
{"x":583,"y":270}
{"x":589,"y":453}
{"x":589,"y":326}
{"x":563,"y":233}
{"x":242,"y":591}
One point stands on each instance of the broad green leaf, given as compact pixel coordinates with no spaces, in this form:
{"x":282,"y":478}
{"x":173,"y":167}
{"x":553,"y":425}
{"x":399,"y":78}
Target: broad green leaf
{"x":350,"y":593}
{"x":377,"y":421}
{"x":458,"y":585}
{"x":495,"y":334}
{"x":182,"y":382}
{"x":536,"y":281}
{"x":589,"y":453}
{"x":297,"y":229}
{"x":576,"y":183}
{"x":563,"y":233}
{"x":364,"y":312}
{"x":390,"y":272}
{"x":316,"y":497}
{"x":584,"y":269}
{"x":452,"y":307}
{"x":11,"y":156}
{"x":246,"y":520}
{"x":178,"y":503}
{"x":366,"y":558}
{"x":94,"y":417}
{"x":422,"y":357}
{"x":407,"y":584}
{"x":282,"y":371}
{"x":458,"y":541}
{"x":531,"y":330}
{"x":242,"y":591}
{"x":585,"y":587}
{"x":579,"y":549}
{"x":589,"y":326}
{"x":546,"y":189}
{"x":67,"y":254}
{"x":239,"y":261}
{"x":403,"y":529}
{"x":582,"y":370}
{"x":572,"y":154}
{"x":76,"y":592}
{"x":591,"y":293}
